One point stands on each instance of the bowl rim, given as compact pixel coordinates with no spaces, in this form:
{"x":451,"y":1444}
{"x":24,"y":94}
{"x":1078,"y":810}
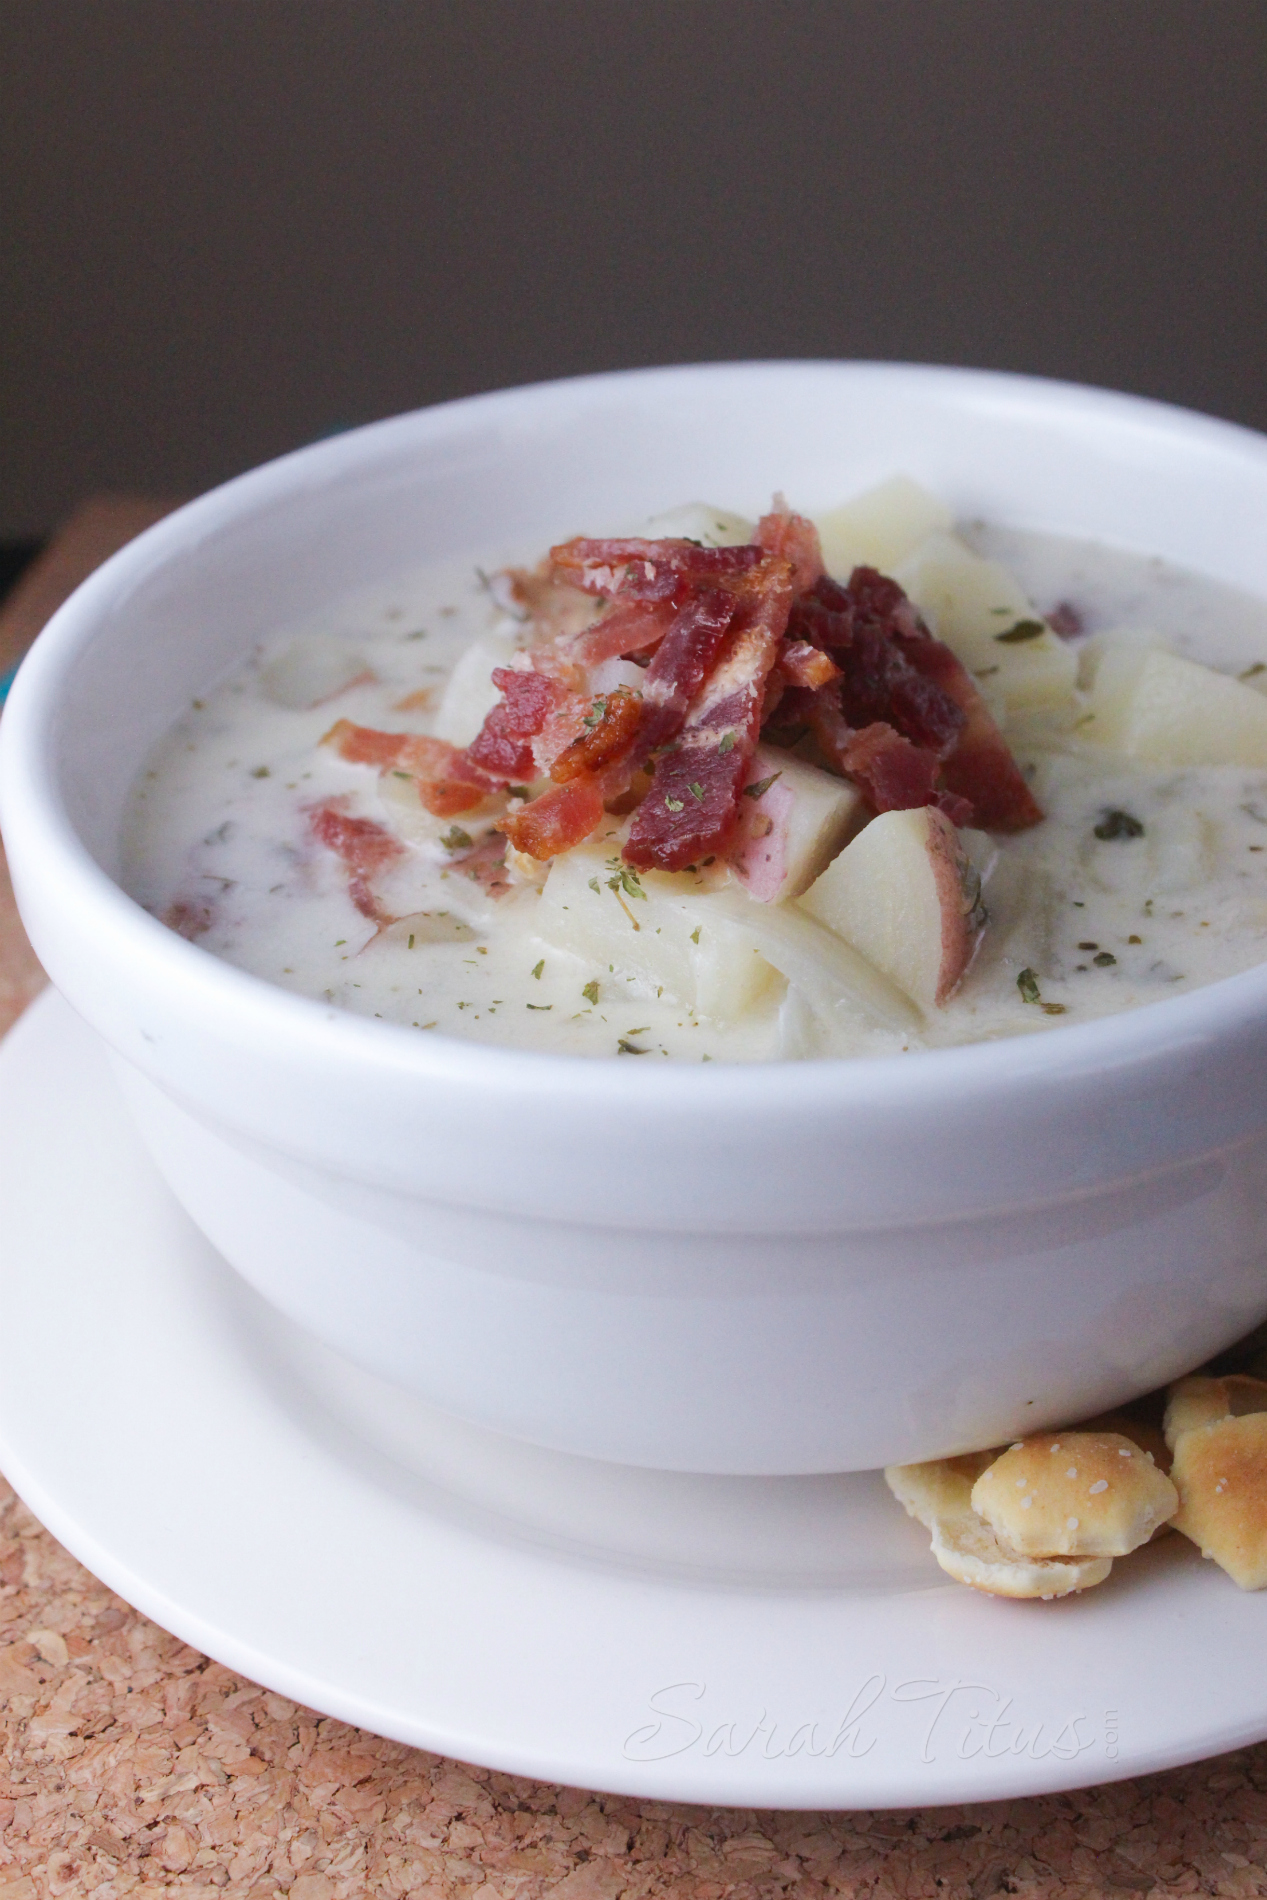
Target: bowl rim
{"x":31,"y":804}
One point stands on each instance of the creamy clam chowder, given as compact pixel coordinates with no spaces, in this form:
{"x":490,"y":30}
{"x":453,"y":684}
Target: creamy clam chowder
{"x":721,"y":790}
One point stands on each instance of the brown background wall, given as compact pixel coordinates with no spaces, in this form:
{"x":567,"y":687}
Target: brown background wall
{"x":227,"y":226}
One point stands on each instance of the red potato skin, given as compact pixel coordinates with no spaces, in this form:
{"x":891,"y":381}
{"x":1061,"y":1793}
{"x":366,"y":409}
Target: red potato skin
{"x":959,"y":932}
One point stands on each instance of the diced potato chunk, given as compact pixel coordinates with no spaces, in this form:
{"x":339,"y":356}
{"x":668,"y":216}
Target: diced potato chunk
{"x":977,"y":608}
{"x":832,"y":978}
{"x":792,"y":831}
{"x":668,"y":937}
{"x":469,"y":693}
{"x":711,"y":948}
{"x":881,"y":527}
{"x":1156,"y":706}
{"x":906,"y":896}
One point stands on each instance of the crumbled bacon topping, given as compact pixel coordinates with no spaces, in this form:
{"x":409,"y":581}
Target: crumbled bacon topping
{"x":560,"y":818}
{"x":682,"y":661}
{"x":895,"y":674}
{"x":895,"y":774}
{"x":730,"y":641}
{"x":801,"y":664}
{"x":794,"y":539}
{"x":980,"y":768}
{"x":643,"y":570}
{"x":610,"y":725}
{"x":861,"y":627}
{"x":365,"y":849}
{"x":628,"y":627}
{"x":692,"y":807}
{"x":503,"y":747}
{"x":449,"y":783}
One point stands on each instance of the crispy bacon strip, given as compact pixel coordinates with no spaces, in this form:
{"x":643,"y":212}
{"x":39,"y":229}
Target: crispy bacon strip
{"x":364,"y":745}
{"x":682,"y":660}
{"x":801,"y":664}
{"x":450,"y":797}
{"x":560,"y":818}
{"x":448,"y":783}
{"x":562,"y":729}
{"x":365,"y":849}
{"x":630,"y":627}
{"x":691,"y":810}
{"x":792,"y":538}
{"x":639,"y":569}
{"x":610,"y":726}
{"x":503,"y":746}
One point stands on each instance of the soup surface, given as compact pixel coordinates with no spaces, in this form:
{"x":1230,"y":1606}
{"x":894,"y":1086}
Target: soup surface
{"x":320,"y":868}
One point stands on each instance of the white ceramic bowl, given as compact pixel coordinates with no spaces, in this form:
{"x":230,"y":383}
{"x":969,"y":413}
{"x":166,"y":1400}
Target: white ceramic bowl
{"x":775,"y":1268}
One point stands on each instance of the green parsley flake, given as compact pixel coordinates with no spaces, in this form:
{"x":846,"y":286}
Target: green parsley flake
{"x":672,"y":804}
{"x":1119,"y":824}
{"x":761,"y":787}
{"x":590,"y":992}
{"x":695,"y":934}
{"x":1027,"y":984}
{"x":697,"y":791}
{"x":626,"y":1048}
{"x":1023,"y":630}
{"x":455,"y":839}
{"x":594,"y":886}
{"x":624,"y":879}
{"x":538,"y":968}
{"x":727,"y":744}
{"x":540,"y":1006}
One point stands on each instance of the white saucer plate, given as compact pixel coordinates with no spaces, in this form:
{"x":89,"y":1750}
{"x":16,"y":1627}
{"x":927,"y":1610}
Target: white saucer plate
{"x":756,"y":1642}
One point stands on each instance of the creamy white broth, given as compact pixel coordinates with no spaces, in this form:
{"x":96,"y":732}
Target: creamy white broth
{"x":219,"y":822}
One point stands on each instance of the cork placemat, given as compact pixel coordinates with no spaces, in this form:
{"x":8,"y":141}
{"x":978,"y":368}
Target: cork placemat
{"x":128,"y":1760}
